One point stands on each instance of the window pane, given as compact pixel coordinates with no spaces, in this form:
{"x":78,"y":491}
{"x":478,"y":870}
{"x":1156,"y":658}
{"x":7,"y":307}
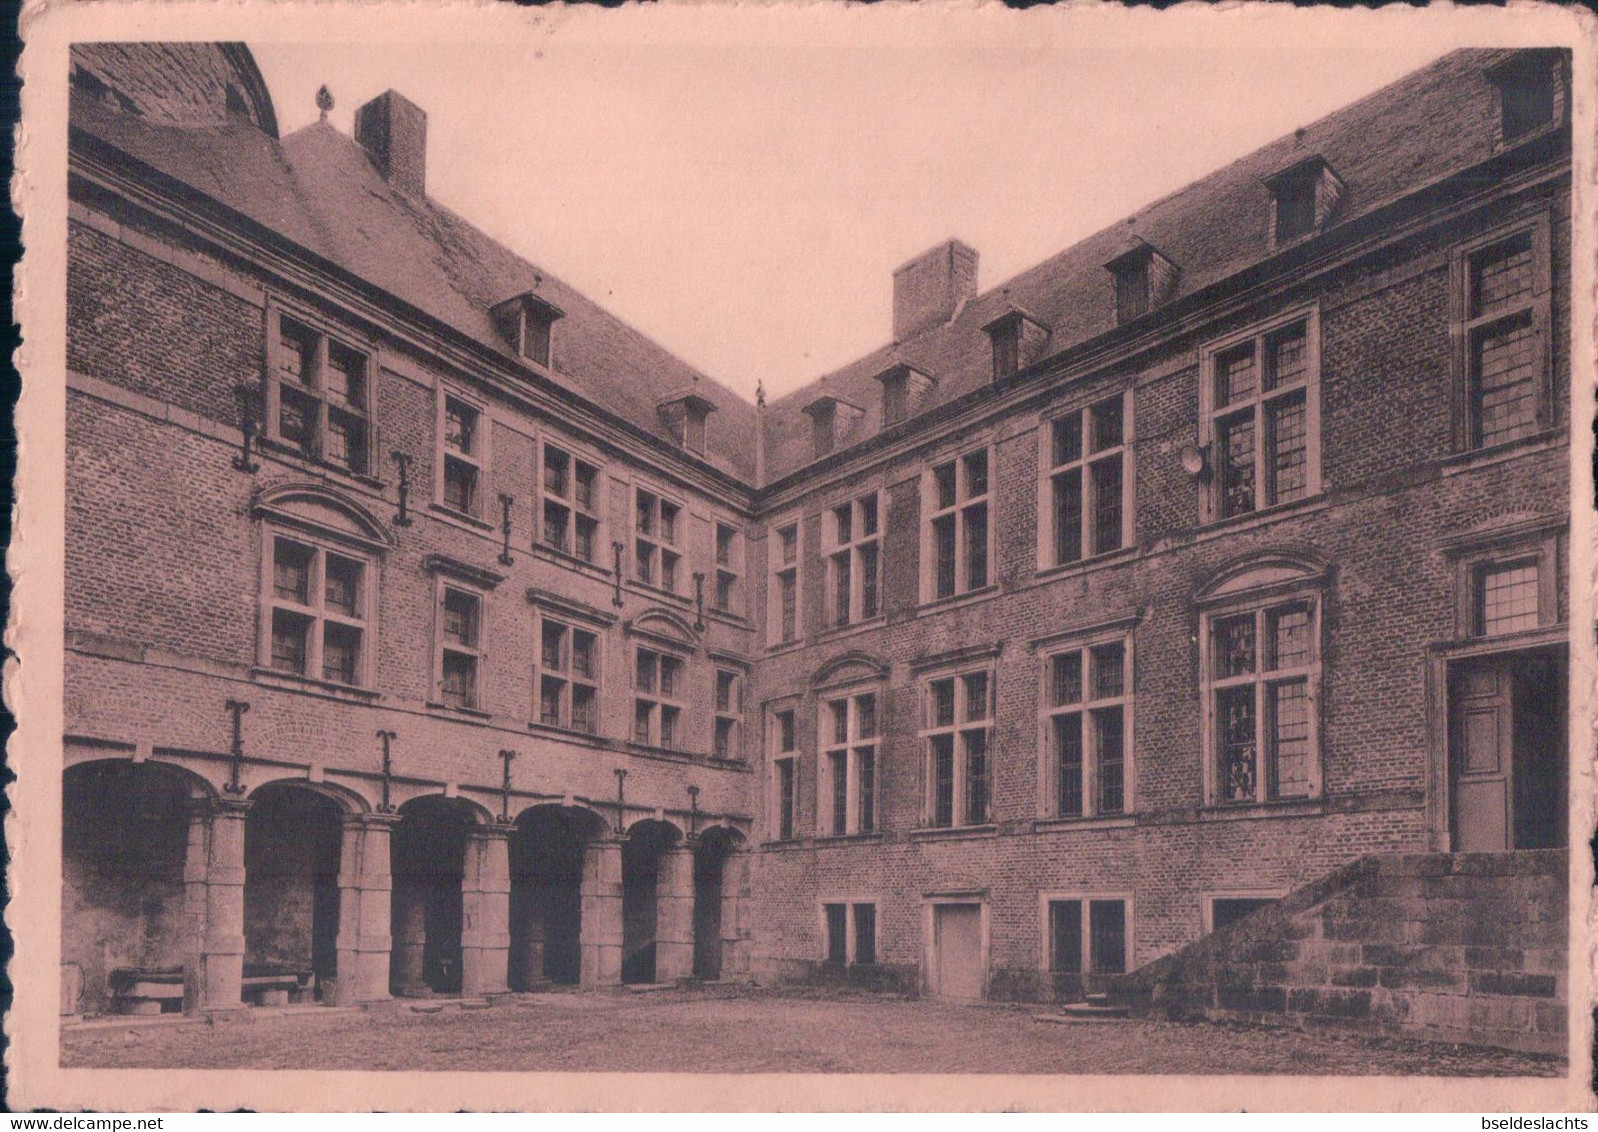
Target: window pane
{"x":587,"y":486}
{"x":837,"y":933}
{"x":721,"y":744}
{"x":296,"y":419}
{"x":1068,"y":757}
{"x":668,"y":726}
{"x":866,"y":765}
{"x":341,"y":653}
{"x":1068,"y":439}
{"x":942,"y":703}
{"x":789,"y":537}
{"x":460,"y":618}
{"x":943,"y":479}
{"x":1501,"y":275}
{"x":1107,"y":424}
{"x":1131,"y":292}
{"x":865,"y":717}
{"x":346,"y":377}
{"x":646,"y":671}
{"x":1065,"y":679}
{"x":976,"y":475}
{"x":460,"y":427}
{"x":583,"y":650}
{"x":786,"y":733}
{"x":670,"y":676}
{"x":668,"y":521}
{"x":1107,"y":932}
{"x":291,"y":572}
{"x":868,"y":516}
{"x":976,"y":546}
{"x":976,"y":696}
{"x":1528,"y":102}
{"x":865,"y":933}
{"x":840,"y":791}
{"x":843,"y":523}
{"x":841,"y":587}
{"x":1288,"y":765}
{"x":1109,"y":671}
{"x":976,"y":776}
{"x":668,"y":570}
{"x":346,"y":440}
{"x":1232,"y":643}
{"x":556,"y":464}
{"x":789,"y":595}
{"x":724,"y":540}
{"x":1107,"y":504}
{"x":868,"y":580}
{"x":1507,"y":599}
{"x":942,"y":780}
{"x":587,"y":538}
{"x":343,"y":585}
{"x":1235,"y":451}
{"x":944,"y":549}
{"x":1234,"y":375}
{"x":1065,"y":937}
{"x":1288,"y":637}
{"x":458,"y":687}
{"x":1068,"y":516}
{"x":1504,"y":393}
{"x":549,"y":700}
{"x":724,"y":690}
{"x":1286,"y":450}
{"x":643,"y":712}
{"x":840,"y":720}
{"x":726,"y":584}
{"x":557,"y":521}
{"x":1287,"y":356}
{"x":460,"y":485}
{"x":554,"y":646}
{"x":1109,"y":742}
{"x":297,"y":352}
{"x":1234,"y":711}
{"x":289,"y":646}
{"x":1295,"y":208}
{"x":584,"y":713}
{"x":785,"y":798}
{"x":536,"y":344}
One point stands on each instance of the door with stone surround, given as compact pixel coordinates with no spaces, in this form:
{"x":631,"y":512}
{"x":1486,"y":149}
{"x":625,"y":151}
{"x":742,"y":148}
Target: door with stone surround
{"x":957,"y":951}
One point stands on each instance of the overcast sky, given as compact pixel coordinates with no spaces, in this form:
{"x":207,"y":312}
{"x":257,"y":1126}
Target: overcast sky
{"x":744,"y":199}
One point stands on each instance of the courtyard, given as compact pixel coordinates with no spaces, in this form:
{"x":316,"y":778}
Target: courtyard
{"x":755,"y":1030}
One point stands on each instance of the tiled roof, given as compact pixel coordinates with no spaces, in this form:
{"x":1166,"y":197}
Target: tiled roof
{"x":318,"y":189}
{"x":1434,"y":122}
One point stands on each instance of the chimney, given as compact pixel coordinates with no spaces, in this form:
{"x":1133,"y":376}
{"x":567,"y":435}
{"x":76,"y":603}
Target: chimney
{"x":930,"y":288}
{"x":393,"y":130}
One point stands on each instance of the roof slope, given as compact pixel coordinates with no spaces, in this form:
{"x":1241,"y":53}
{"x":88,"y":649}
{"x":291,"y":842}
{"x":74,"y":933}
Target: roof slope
{"x":319,"y":189}
{"x":1434,"y":122}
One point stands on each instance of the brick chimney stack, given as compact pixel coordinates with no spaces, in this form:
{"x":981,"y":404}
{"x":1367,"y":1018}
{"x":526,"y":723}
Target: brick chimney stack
{"x":393,"y":129}
{"x":930,"y":288}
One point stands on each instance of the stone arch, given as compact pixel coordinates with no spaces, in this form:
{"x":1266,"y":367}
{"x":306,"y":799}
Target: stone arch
{"x":651,"y":895}
{"x":347,"y":800}
{"x":549,"y":846}
{"x":319,"y":508}
{"x":126,"y":835}
{"x":293,"y":843}
{"x":1262,"y":569}
{"x":849,"y":667}
{"x":720,"y":877}
{"x":428,"y":851}
{"x":658,"y":621}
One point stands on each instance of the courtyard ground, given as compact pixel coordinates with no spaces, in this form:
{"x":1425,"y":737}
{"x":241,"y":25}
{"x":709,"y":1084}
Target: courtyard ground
{"x":752,"y":1030}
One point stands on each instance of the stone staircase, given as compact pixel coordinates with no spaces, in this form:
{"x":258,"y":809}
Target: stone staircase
{"x":1468,"y":948}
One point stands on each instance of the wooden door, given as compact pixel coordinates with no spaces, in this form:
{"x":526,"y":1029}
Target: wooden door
{"x":957,"y":950}
{"x":1481,"y":740}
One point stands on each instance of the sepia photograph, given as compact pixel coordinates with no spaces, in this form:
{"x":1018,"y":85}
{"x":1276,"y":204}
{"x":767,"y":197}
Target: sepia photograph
{"x":874,"y":543}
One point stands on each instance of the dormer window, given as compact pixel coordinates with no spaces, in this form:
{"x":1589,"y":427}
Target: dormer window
{"x":904,"y":388}
{"x":1144,"y":279}
{"x":1303,"y":199}
{"x":1529,"y":93}
{"x":684,"y":416}
{"x":831,"y":419}
{"x":1018,"y":340}
{"x":528,"y":324}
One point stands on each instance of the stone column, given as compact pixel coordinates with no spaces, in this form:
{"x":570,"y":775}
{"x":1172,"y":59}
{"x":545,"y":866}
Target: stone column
{"x":213,"y":905}
{"x":485,"y":920}
{"x":365,"y":909}
{"x":734,"y":887}
{"x":602,"y":931}
{"x":674,"y":919}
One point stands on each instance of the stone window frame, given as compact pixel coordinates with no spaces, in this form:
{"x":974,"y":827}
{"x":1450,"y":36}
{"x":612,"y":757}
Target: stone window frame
{"x":1535,"y":541}
{"x":1086,"y":897}
{"x":852,"y":551}
{"x":727,"y":720}
{"x":1463,"y":327}
{"x":566,"y":672}
{"x":1083,"y":643}
{"x":727,"y":589}
{"x":1049,"y":471}
{"x":1260,"y":602}
{"x":786,"y":825}
{"x":320,"y":545}
{"x":851,"y":906}
{"x":965,"y":504}
{"x":479,"y":460}
{"x":1260,"y":334}
{"x":777,"y":568}
{"x":576,"y":512}
{"x":325,"y":338}
{"x":659,"y":549}
{"x":658,"y":702}
{"x":443,"y":586}
{"x":858,"y":800}
{"x":960,"y":726}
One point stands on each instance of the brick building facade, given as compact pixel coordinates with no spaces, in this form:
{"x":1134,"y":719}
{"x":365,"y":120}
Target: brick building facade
{"x":429,"y":630}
